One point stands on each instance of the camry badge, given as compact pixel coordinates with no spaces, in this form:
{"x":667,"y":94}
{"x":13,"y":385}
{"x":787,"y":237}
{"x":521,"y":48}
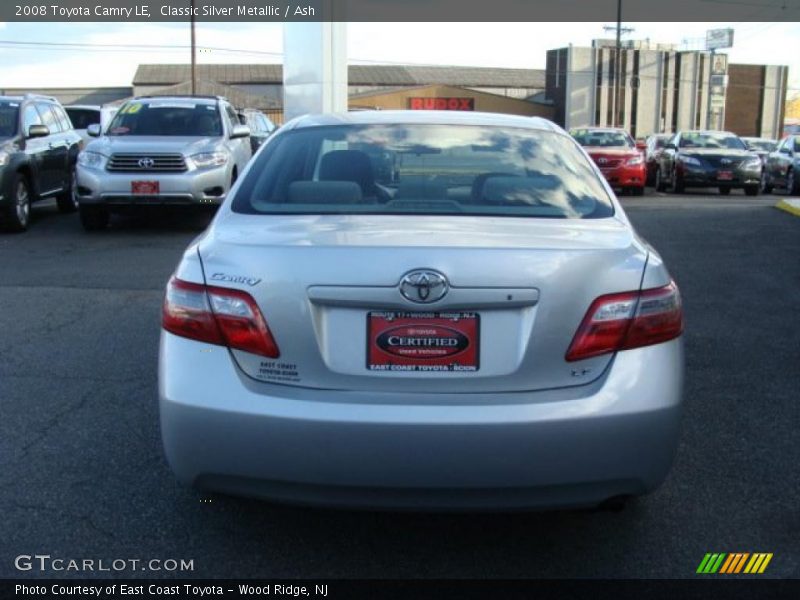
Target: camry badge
{"x":423,"y":286}
{"x":602,"y":161}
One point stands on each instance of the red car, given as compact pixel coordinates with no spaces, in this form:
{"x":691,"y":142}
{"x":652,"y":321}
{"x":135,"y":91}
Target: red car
{"x":614,"y":151}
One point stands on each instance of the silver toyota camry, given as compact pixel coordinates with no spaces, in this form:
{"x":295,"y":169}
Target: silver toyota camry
{"x":424,"y":309}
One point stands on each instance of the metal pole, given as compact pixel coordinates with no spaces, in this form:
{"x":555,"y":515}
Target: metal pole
{"x":618,"y":65}
{"x":710,"y":88}
{"x":194,"y":58}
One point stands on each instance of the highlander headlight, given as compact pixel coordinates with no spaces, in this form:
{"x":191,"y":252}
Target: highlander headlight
{"x":4,"y":158}
{"x":691,"y":161}
{"x":752,"y":163}
{"x":91,"y":160}
{"x":209,"y":159}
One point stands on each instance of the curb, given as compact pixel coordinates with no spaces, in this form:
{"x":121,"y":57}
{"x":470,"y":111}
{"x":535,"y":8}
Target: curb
{"x":791,"y":206}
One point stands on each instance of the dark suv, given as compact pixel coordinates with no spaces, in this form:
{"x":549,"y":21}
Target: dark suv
{"x":38,"y":151}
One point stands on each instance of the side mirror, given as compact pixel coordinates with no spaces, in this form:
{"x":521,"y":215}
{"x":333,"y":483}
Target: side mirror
{"x":240,"y":131}
{"x":670,"y":146}
{"x":37,"y":131}
{"x":641,"y":145}
{"x":94,"y":130}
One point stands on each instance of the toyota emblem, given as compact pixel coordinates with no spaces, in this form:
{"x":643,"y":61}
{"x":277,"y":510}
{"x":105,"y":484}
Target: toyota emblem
{"x":423,"y":286}
{"x":146,"y":162}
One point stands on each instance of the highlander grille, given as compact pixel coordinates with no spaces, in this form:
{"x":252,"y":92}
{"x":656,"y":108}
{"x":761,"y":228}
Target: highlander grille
{"x":147,"y":163}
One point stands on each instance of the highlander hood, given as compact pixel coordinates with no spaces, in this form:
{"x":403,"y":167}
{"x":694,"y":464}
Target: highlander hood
{"x":187,"y":146}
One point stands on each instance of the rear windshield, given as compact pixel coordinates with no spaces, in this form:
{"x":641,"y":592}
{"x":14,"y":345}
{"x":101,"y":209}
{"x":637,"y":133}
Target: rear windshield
{"x":167,"y":117}
{"x":423,"y":169}
{"x":602,"y":139}
{"x":83,"y":117}
{"x":8,"y":118}
{"x":711,"y":140}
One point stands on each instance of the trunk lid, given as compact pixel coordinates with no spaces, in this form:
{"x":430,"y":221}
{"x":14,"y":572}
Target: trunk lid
{"x":316,"y":278}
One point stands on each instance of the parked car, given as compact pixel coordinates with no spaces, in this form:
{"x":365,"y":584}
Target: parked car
{"x":479,"y":327}
{"x":83,"y":115}
{"x":261,"y":126}
{"x":708,"y":159}
{"x":654,"y":146}
{"x":762,"y":147}
{"x":783,"y":166}
{"x":159,"y":150}
{"x":616,"y":155}
{"x":38,"y":151}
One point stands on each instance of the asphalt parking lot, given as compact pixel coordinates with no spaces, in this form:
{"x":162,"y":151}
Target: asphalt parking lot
{"x":82,"y":473}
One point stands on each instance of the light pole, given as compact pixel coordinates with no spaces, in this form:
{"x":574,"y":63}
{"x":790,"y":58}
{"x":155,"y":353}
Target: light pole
{"x":194,"y":58}
{"x":617,"y":64}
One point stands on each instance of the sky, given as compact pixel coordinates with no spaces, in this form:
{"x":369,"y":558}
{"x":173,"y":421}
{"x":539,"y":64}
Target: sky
{"x":517,"y":45}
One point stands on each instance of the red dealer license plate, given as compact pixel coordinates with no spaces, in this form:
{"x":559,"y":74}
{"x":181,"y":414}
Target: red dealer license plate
{"x":144,"y":188}
{"x":725,"y":175}
{"x":422,"y":342}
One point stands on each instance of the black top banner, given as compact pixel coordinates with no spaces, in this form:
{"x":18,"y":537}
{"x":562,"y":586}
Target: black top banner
{"x":398,"y":10}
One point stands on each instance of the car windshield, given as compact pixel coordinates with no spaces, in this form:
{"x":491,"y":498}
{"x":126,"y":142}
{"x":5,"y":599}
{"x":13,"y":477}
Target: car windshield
{"x":661,"y":142}
{"x":711,"y":140}
{"x":83,"y":117}
{"x":167,"y":117}
{"x":602,"y":139}
{"x":765,"y":145}
{"x":423,"y":169}
{"x":8,"y":118}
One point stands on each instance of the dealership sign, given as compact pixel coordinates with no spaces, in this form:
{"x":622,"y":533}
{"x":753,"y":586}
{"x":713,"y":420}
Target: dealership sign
{"x":441,"y":103}
{"x":719,"y":38}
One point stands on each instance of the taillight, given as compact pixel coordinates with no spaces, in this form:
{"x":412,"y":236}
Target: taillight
{"x":216,"y":315}
{"x":628,"y":320}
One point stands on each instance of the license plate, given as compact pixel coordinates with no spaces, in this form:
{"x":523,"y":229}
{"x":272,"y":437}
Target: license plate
{"x":725,"y":175}
{"x":144,"y":188}
{"x":423,"y":342}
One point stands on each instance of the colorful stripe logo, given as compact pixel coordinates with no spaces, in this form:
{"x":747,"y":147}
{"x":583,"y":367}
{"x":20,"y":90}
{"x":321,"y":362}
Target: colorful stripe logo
{"x":735,"y":562}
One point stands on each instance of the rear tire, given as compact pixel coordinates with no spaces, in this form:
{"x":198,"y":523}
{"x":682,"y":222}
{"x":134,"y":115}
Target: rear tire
{"x":67,"y":201}
{"x":766,"y":187}
{"x":659,"y":185}
{"x":792,"y":184}
{"x":752,"y":190}
{"x":677,"y":183}
{"x":725,"y":191}
{"x":18,"y":211}
{"x":637,"y":191}
{"x":93,"y":217}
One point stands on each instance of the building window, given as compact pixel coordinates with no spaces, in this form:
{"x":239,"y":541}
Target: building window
{"x":598,"y":90}
{"x":664,"y":85}
{"x":698,"y":112}
{"x":634,"y":92}
{"x":612,"y":63}
{"x":676,"y":92}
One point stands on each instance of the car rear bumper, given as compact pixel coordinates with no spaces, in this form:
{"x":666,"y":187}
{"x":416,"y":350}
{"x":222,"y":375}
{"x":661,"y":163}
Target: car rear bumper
{"x":226,"y":432}
{"x":206,"y":187}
